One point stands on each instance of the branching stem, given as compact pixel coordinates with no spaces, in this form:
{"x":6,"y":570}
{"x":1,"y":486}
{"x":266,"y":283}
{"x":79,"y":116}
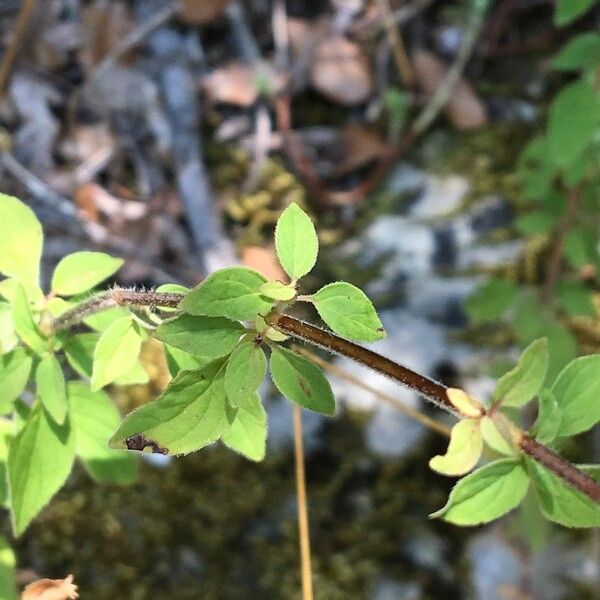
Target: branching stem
{"x":432,"y":390}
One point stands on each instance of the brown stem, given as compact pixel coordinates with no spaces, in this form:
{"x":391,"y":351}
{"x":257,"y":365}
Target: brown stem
{"x":432,"y":391}
{"x":559,"y":466}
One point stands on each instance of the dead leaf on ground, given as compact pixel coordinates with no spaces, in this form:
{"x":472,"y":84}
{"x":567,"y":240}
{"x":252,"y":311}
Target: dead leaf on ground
{"x":240,"y":84}
{"x":464,"y":109}
{"x":264,"y":261}
{"x":200,"y":12}
{"x":359,"y":146}
{"x":51,"y":589}
{"x":340,"y":71}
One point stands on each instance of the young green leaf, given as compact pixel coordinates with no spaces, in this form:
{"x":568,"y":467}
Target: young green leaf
{"x":569,"y":10}
{"x":573,"y":120}
{"x":93,"y":419}
{"x":8,"y":562}
{"x":51,"y":387}
{"x":348,"y":311}
{"x":15,"y":368}
{"x":206,"y":337}
{"x":232,"y":292}
{"x":8,"y":335}
{"x":494,"y":438}
{"x":79,"y":350}
{"x":549,"y":417}
{"x":296,"y":241}
{"x":248,"y":432}
{"x":40,"y":458}
{"x":561,"y":503}
{"x":20,"y":242}
{"x":577,"y":390}
{"x":464,"y":450}
{"x":582,"y":52}
{"x":522,"y":383}
{"x":81,"y":271}
{"x":246,"y":369}
{"x":25,"y":326}
{"x":486,"y":494}
{"x":191,"y":413}
{"x":275,"y":290}
{"x":116,"y":352}
{"x":301,"y":381}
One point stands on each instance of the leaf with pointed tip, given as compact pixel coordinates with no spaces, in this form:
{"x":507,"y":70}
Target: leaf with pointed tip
{"x":40,"y":458}
{"x":21,"y":241}
{"x":522,"y":383}
{"x":191,"y":413}
{"x":81,"y":271}
{"x":248,"y":432}
{"x":348,"y":311}
{"x":301,"y":381}
{"x":51,"y":387}
{"x":116,"y":352}
{"x":486,"y":494}
{"x":232,"y":292}
{"x":464,"y":450}
{"x":206,"y":337}
{"x":296,"y":241}
{"x":93,"y":419}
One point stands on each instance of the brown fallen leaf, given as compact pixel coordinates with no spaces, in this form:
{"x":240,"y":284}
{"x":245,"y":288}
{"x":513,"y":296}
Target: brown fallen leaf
{"x":200,"y":12}
{"x":264,"y":261}
{"x":360,"y":146}
{"x":51,"y":589}
{"x":340,"y":71}
{"x":464,"y":109}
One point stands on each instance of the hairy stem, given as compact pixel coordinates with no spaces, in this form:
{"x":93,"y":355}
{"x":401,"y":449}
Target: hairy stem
{"x":432,"y":390}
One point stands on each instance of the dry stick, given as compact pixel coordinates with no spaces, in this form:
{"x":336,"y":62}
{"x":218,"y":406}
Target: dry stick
{"x":395,"y":40}
{"x":13,"y":50}
{"x":391,"y":400}
{"x":306,"y":571}
{"x":432,"y":390}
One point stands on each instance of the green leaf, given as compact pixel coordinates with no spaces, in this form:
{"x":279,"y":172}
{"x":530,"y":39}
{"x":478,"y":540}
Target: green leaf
{"x":582,"y":52}
{"x":522,"y":383}
{"x":536,"y":222}
{"x":569,"y":10}
{"x":206,"y":337}
{"x":494,"y":438}
{"x":93,"y":419}
{"x":191,"y":413}
{"x":116,"y":352}
{"x":533,"y":523}
{"x":40,"y":458}
{"x":6,"y":432}
{"x":561,"y":503}
{"x":575,"y":299}
{"x":248,"y":432}
{"x":491,"y":300}
{"x":277,"y":291}
{"x":8,"y":562}
{"x":486,"y":494}
{"x":178,"y":360}
{"x":246,"y":369}
{"x":25,"y":326}
{"x":51,"y":387}
{"x":296,"y":241}
{"x":79,"y":350}
{"x":577,"y":390}
{"x":562,"y":349}
{"x":348,"y":311}
{"x":15,"y":368}
{"x":20,"y":242}
{"x":572,"y":122}
{"x":81,"y":271}
{"x":301,"y":381}
{"x":232,"y":292}
{"x":580,"y":247}
{"x":8,"y":336}
{"x":103,"y":320}
{"x":547,"y":424}
{"x":136,"y":375}
{"x":534,"y":170}
{"x":464,"y":450}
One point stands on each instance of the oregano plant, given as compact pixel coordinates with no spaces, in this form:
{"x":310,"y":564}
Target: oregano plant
{"x":61,"y":348}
